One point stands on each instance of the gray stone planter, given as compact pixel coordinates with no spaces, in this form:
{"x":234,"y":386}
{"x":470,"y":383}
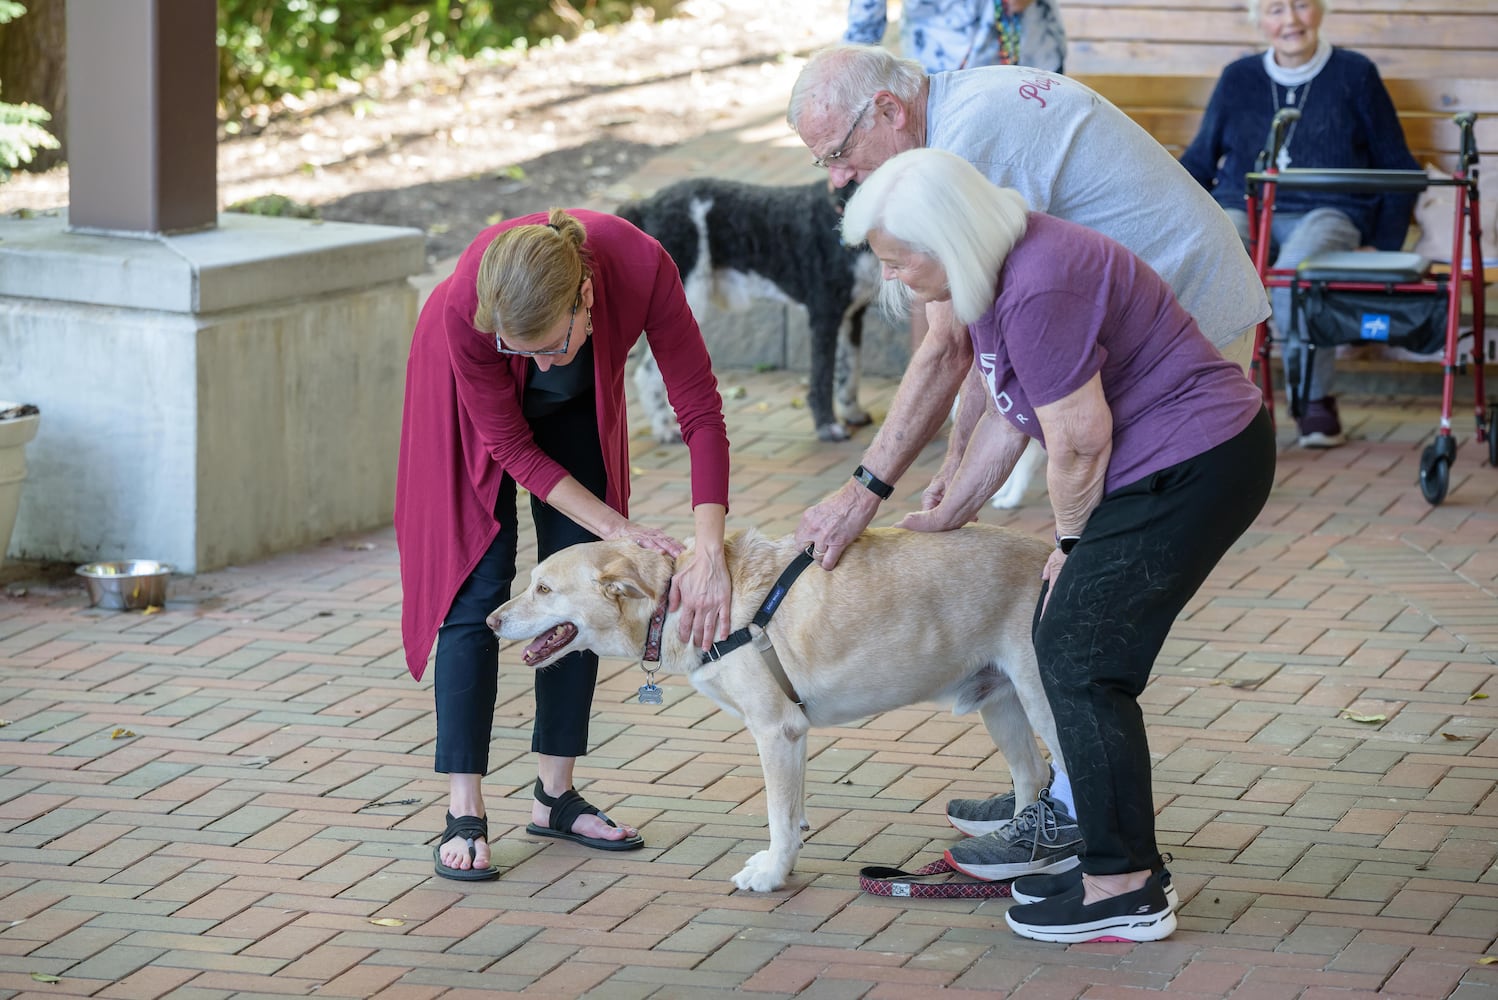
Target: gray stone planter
{"x":18,"y":424}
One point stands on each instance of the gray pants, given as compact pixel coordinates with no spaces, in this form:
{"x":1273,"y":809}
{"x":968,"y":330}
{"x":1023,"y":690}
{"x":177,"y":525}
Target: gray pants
{"x":1293,"y":238}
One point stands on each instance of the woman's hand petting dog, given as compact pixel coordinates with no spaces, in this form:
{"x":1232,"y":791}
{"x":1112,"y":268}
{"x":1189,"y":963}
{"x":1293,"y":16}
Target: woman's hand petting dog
{"x":703,"y":591}
{"x":648,"y":538}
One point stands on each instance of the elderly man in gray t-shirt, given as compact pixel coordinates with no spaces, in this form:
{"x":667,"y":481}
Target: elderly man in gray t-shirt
{"x":1066,"y":149}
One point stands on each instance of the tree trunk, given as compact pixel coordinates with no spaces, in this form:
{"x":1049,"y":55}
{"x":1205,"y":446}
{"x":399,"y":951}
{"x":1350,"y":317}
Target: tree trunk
{"x":33,"y":69}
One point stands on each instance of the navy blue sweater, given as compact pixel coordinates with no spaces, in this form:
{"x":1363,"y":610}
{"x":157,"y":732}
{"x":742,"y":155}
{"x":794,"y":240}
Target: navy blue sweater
{"x":1347,"y":120}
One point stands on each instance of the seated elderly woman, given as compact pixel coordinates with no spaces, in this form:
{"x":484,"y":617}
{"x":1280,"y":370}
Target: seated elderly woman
{"x":1161,"y":455}
{"x":1347,"y":119}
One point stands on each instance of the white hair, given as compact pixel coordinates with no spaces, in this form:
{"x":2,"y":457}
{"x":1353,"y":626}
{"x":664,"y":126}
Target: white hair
{"x":844,"y":77}
{"x":939,"y":205}
{"x":1254,"y":6}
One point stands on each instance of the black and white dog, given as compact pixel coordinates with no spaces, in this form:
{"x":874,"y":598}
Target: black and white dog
{"x":734,"y":243}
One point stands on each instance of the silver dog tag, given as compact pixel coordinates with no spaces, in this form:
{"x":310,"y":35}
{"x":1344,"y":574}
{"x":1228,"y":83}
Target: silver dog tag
{"x":650,"y":694}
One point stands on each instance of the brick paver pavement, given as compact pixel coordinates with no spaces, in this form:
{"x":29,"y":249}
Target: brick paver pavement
{"x":234,"y":797}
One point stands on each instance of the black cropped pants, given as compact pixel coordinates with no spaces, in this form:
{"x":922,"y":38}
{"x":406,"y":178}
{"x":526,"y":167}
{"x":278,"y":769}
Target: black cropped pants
{"x":1146,"y":550}
{"x":467,"y":662}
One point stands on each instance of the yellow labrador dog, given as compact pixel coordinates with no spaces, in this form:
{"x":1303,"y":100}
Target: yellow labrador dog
{"x":905,"y":617}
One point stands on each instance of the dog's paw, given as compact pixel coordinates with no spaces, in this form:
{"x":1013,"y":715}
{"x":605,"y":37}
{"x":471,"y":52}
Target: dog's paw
{"x":832,"y":432}
{"x":667,"y":433}
{"x":855,"y":416}
{"x":1007,"y":498}
{"x":761,"y":874}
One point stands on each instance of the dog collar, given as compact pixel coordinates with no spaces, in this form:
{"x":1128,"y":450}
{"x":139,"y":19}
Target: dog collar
{"x":657,"y":626}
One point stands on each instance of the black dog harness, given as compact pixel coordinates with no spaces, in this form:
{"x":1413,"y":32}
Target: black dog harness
{"x":753,"y":632}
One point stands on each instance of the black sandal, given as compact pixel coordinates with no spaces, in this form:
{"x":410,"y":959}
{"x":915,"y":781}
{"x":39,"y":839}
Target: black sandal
{"x":565,"y":809}
{"x":470,"y":828}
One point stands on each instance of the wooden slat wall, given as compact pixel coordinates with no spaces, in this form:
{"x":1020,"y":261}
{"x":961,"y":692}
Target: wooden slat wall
{"x":1406,"y":38}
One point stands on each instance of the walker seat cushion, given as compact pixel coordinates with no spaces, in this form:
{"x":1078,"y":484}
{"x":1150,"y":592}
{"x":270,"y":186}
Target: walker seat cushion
{"x":1351,"y":265}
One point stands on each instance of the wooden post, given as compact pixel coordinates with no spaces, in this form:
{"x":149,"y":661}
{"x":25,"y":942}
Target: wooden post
{"x":142,"y":116}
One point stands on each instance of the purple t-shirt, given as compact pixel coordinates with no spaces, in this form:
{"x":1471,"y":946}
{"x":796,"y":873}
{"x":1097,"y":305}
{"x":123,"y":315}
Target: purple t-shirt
{"x":1072,"y":303}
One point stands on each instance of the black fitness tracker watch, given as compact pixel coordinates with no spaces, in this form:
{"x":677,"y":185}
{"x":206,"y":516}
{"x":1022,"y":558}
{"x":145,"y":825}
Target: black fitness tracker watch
{"x":873,"y":483}
{"x":1066,"y":543}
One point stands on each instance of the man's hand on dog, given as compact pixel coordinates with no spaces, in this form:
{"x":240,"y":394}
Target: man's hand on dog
{"x":831,"y":525}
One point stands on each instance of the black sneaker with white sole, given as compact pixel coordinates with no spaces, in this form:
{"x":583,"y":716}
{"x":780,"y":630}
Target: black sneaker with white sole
{"x":1141,"y":915}
{"x":1034,"y":888}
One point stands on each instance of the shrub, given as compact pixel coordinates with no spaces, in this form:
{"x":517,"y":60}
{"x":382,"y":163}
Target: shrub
{"x":271,"y":50}
{"x":21,"y":125}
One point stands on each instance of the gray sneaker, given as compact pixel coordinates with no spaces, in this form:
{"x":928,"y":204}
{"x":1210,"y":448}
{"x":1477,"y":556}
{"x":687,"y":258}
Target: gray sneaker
{"x":1042,"y":838}
{"x":975,"y":817}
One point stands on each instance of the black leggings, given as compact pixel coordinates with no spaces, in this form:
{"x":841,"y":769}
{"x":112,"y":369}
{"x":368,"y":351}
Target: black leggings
{"x":1146,"y":550}
{"x":467,"y":664}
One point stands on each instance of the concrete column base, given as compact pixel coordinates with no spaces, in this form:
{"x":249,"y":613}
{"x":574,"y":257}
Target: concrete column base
{"x":212,"y":397}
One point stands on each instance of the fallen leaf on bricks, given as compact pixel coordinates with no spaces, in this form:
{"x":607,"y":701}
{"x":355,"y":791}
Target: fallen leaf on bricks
{"x":359,"y":547}
{"x":797,"y":402}
{"x":4,"y":723}
{"x":735,"y":392}
{"x":42,"y":977}
{"x":1487,"y":960}
{"x":1352,"y":716}
{"x":121,"y":733}
{"x":254,"y":762}
{"x":152,"y":609}
{"x":1454,"y":736}
{"x":1479,"y":696}
{"x":388,"y":922}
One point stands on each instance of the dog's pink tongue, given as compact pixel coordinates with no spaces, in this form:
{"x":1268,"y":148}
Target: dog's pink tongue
{"x":544,"y":646}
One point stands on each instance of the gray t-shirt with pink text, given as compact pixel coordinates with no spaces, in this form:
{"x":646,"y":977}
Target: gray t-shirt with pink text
{"x":1074,"y":155}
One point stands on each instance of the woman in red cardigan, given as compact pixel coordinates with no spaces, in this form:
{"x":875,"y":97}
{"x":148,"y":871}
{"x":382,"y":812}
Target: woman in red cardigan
{"x":516,"y":376}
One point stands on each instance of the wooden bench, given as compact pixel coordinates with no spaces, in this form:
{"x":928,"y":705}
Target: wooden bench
{"x":1170,"y":109}
{"x":1407,"y":39}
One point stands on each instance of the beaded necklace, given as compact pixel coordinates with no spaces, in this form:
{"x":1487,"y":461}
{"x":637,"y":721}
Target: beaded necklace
{"x":1008,"y":26}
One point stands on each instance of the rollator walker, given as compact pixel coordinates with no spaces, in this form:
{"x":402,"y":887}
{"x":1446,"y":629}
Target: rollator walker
{"x":1386,"y":297}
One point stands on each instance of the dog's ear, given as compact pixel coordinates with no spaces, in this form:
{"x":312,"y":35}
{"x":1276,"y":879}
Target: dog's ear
{"x":621,"y":579}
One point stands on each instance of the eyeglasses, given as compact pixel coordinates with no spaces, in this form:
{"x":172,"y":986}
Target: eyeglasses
{"x":566,"y":341}
{"x":837,"y":154}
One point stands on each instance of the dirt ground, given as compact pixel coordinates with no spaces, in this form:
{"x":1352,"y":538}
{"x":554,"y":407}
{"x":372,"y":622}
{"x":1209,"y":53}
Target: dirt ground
{"x":451,"y":149}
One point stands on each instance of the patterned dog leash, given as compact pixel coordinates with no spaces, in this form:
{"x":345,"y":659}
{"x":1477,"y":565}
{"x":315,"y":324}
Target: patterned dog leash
{"x":894,"y":882}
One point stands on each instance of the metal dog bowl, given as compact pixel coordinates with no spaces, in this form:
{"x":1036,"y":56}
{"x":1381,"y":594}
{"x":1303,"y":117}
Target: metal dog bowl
{"x":127,"y":585}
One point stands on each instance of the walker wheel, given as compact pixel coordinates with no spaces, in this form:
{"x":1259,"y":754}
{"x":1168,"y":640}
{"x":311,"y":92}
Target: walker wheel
{"x":1435,"y":474}
{"x":1492,"y":433}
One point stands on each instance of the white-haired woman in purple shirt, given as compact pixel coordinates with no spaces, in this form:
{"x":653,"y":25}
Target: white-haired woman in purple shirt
{"x":1160,"y":457}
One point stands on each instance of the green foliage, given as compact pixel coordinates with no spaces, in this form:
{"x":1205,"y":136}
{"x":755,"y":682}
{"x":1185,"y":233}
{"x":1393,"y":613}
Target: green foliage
{"x":294,"y":47}
{"x":21,"y":131}
{"x":278,"y":205}
{"x":22,"y":134}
